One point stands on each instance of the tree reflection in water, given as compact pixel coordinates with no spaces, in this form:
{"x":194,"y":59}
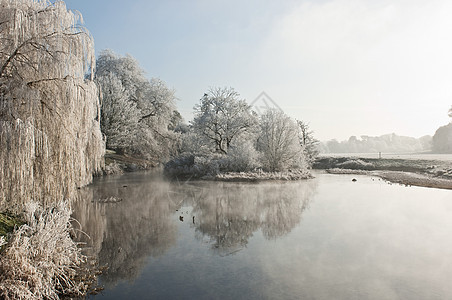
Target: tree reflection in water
{"x":144,"y":224}
{"x":124,"y":234}
{"x":230,"y":213}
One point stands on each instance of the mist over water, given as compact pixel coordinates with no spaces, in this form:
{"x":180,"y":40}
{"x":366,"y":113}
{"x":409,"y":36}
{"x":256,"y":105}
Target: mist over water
{"x":325,"y":238}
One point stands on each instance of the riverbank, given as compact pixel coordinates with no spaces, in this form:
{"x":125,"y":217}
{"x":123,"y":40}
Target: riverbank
{"x":120,"y":163}
{"x":261,"y":176}
{"x":252,"y":176}
{"x":415,"y":172}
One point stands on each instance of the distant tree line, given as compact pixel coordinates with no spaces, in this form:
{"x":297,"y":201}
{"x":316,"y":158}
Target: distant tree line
{"x":441,"y":142}
{"x":389,"y":143}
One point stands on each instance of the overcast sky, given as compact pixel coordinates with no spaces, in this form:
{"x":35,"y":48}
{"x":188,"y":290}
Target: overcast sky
{"x":347,"y":67}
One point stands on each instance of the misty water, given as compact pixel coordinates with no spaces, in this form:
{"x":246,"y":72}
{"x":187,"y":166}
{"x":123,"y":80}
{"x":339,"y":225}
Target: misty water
{"x":325,"y":238}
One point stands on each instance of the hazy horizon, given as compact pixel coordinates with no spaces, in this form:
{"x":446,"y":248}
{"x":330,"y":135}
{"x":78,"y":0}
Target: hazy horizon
{"x":347,"y":67}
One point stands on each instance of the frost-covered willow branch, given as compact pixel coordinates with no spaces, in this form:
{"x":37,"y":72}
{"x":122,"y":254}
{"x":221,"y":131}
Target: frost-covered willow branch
{"x":50,"y":139}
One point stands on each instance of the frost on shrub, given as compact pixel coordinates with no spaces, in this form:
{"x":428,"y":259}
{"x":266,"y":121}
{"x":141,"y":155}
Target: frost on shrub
{"x":194,"y":144}
{"x":112,"y":169}
{"x":242,"y":157}
{"x":41,"y":260}
{"x":209,"y":165}
{"x":180,"y":166}
{"x":189,"y":165}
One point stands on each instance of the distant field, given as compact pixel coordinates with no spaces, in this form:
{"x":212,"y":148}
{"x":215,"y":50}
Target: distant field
{"x":414,"y":156}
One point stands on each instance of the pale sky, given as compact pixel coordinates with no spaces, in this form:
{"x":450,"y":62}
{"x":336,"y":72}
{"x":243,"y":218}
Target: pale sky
{"x":347,"y":67}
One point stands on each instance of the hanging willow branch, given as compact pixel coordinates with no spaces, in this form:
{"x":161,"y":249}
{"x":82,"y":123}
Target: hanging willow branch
{"x":50,"y":139}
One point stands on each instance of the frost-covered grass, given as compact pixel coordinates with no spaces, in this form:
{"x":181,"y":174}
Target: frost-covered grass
{"x":40,"y":260}
{"x":260,"y":175}
{"x":440,"y":168}
{"x":346,"y":171}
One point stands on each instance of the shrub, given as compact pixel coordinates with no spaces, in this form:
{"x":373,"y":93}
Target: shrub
{"x":356,"y":164}
{"x":242,"y":158}
{"x":112,"y":169}
{"x":41,"y":260}
{"x":189,"y":165}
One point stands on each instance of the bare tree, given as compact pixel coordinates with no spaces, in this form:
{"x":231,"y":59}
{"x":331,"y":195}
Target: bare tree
{"x":221,"y":117}
{"x":278,"y":142}
{"x":50,"y":139}
{"x":308,"y":142}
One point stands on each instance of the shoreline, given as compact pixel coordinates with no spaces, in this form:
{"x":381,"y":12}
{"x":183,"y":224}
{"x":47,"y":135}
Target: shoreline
{"x":244,"y":177}
{"x":411,"y":172}
{"x":400,"y":177}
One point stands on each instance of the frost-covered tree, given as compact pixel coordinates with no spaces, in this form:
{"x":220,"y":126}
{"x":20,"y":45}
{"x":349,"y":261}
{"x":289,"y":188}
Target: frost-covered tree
{"x":221,"y":117}
{"x":50,"y":139}
{"x":136,"y":112}
{"x":308,"y":142}
{"x":177,"y":122}
{"x":119,"y":118}
{"x":278,"y":142}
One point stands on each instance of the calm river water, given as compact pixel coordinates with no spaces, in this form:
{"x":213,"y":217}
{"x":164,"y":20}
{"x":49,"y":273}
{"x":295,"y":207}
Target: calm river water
{"x":325,"y":238}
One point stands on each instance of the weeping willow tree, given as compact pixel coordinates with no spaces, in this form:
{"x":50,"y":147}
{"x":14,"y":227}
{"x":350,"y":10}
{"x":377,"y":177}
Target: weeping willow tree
{"x":50,"y":139}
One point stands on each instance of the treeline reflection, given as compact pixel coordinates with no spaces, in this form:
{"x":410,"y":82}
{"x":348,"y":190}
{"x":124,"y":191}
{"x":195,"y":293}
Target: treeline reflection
{"x":140,"y":218}
{"x":230,"y":213}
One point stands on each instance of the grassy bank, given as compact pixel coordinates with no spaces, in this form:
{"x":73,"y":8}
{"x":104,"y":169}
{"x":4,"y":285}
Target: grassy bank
{"x":262,"y":176}
{"x":416,"y":172}
{"x":119,"y":163}
{"x":429,"y":167}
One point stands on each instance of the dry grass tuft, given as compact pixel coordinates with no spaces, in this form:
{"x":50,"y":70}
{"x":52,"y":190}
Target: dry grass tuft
{"x":41,"y":261}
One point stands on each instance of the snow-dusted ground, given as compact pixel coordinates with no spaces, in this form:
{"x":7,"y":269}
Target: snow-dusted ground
{"x":258,"y":176}
{"x":404,"y":178}
{"x":427,"y":170}
{"x":412,"y":156}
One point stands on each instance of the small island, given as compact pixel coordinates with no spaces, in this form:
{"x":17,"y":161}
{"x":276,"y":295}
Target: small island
{"x":227,"y":140}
